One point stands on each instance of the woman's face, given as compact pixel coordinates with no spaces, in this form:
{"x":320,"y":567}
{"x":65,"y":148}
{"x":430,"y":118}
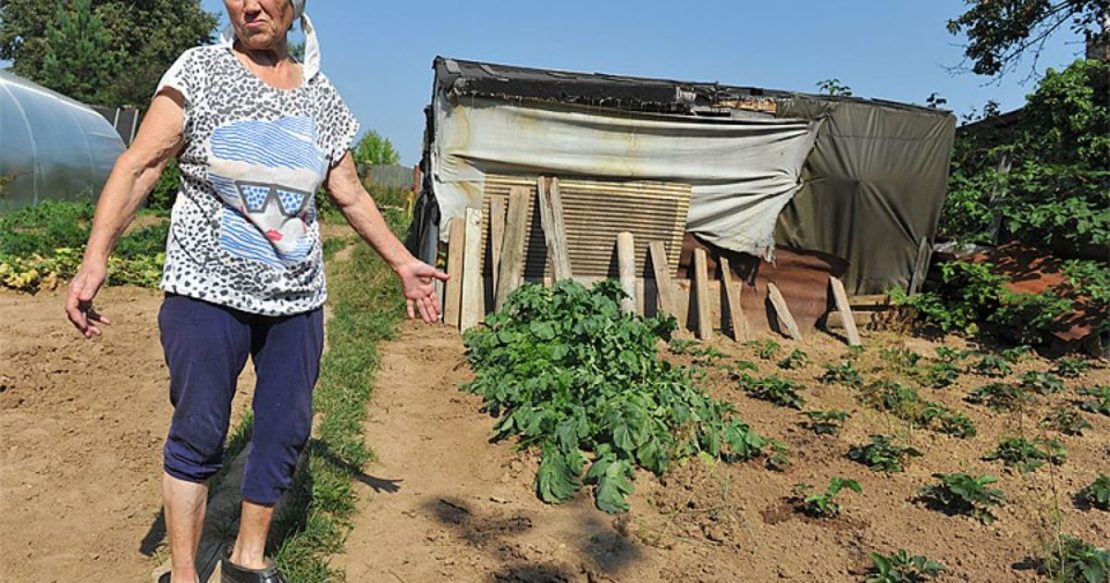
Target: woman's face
{"x":260,"y":24}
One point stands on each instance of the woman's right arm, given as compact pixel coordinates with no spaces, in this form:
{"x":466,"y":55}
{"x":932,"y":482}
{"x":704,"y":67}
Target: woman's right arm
{"x":134,"y":175}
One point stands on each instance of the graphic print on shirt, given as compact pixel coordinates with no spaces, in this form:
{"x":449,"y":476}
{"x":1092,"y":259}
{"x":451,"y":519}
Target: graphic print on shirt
{"x":267,"y":171}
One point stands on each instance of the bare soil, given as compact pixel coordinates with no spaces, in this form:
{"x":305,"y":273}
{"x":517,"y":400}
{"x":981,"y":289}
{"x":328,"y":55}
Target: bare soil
{"x":443,"y":503}
{"x":81,"y":430}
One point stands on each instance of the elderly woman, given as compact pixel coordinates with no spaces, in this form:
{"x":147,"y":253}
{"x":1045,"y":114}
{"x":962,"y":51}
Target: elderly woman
{"x":255,"y":134}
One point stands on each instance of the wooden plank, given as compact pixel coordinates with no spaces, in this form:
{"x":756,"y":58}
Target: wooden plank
{"x":783,"y":312}
{"x":554,"y":227}
{"x":511,"y":270}
{"x":473,"y":300}
{"x":667,"y":303}
{"x":496,"y":235}
{"x":456,"y":243}
{"x":920,"y":266}
{"x":626,"y":265}
{"x":737,"y":322}
{"x":701,"y":295}
{"x":873,"y":300}
{"x":845,"y":310}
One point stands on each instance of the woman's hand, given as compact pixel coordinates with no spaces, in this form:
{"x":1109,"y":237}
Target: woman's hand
{"x":418,"y":282}
{"x":82,"y":290}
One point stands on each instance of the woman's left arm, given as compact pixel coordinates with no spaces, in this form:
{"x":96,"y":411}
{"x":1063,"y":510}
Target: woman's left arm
{"x":417,"y":278}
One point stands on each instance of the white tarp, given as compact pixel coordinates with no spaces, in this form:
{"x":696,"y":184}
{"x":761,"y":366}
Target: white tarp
{"x":742,"y":171}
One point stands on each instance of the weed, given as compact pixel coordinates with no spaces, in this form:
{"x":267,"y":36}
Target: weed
{"x":901,"y":359}
{"x":765,"y":348}
{"x":780,"y":391}
{"x":1028,"y":455}
{"x":1096,"y":494}
{"x":854,"y":352}
{"x":796,"y":359}
{"x":900,"y":567}
{"x":1000,"y":396}
{"x":1097,"y":399}
{"x":826,"y":422}
{"x":1071,"y":368}
{"x":882,"y":454}
{"x":844,"y":373}
{"x":1066,"y":420}
{"x":959,"y":493}
{"x":1072,"y":560}
{"x":1045,"y":383}
{"x":824,"y":505}
{"x":992,"y":365}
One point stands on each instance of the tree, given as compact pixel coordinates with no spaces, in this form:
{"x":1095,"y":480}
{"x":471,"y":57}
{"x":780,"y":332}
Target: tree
{"x":1001,"y":32}
{"x":147,"y":35}
{"x":77,"y":58}
{"x":374,"y":150}
{"x":833,"y":87}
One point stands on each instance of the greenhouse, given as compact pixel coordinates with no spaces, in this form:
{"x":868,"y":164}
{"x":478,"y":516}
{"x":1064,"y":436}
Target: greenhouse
{"x":51,"y":147}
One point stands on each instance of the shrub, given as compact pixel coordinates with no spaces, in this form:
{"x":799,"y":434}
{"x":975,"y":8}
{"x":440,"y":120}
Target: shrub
{"x":900,"y":567}
{"x":1026,"y":455}
{"x":882,"y":454}
{"x":959,"y":493}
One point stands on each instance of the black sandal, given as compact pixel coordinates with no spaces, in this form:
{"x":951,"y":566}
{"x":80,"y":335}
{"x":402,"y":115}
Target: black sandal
{"x":232,"y":573}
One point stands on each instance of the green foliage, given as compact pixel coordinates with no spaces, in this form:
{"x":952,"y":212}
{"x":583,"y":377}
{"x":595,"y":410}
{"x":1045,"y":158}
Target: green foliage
{"x":844,"y":373}
{"x":833,"y":86}
{"x":824,"y":504}
{"x":780,"y":391}
{"x":1072,"y":560}
{"x":78,"y":61}
{"x":1096,"y":494}
{"x":1089,"y":278}
{"x":1095,"y":399}
{"x":882,"y":454}
{"x":1028,"y":455}
{"x":796,"y":359}
{"x":900,"y":359}
{"x":960,"y":493}
{"x":900,"y":567}
{"x":992,"y":365}
{"x":1044,"y":383}
{"x":168,"y":28}
{"x":374,"y":150}
{"x":566,"y":371}
{"x":1066,"y":420}
{"x":1071,"y":368}
{"x":940,"y":375}
{"x":164,"y":193}
{"x":951,"y":355}
{"x":764,"y":348}
{"x":1000,"y":396}
{"x":826,"y":422}
{"x":906,"y":404}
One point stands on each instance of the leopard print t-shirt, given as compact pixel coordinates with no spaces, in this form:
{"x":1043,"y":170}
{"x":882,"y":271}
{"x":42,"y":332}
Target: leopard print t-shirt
{"x":243,"y":231}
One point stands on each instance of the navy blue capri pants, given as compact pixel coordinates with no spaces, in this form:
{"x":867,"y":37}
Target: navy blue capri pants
{"x":206,"y":347}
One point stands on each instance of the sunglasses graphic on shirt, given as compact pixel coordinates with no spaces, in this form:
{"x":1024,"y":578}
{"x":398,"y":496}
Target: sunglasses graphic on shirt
{"x":256,"y":197}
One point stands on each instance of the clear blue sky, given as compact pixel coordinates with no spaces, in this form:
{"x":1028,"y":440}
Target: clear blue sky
{"x":380,"y":54}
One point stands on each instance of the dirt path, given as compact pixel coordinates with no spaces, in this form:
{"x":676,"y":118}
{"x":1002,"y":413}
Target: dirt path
{"x":81,"y":430}
{"x":441,"y":503}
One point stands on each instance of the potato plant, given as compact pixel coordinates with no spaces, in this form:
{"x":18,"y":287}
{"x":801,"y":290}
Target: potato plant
{"x":960,"y":493}
{"x":780,"y":391}
{"x":826,"y":422}
{"x":1028,"y":455}
{"x":1071,"y":368}
{"x":940,"y":375}
{"x":1044,"y":383}
{"x":824,"y":504}
{"x":1066,"y":420}
{"x":900,"y":567}
{"x":906,"y":404}
{"x":795,"y":360}
{"x":1073,"y":560}
{"x":568,"y":373}
{"x":1000,"y":396}
{"x":882,"y":455}
{"x":992,"y":365}
{"x":1096,"y":494}
{"x":844,"y":373}
{"x":764,"y":348}
{"x":1095,"y":399}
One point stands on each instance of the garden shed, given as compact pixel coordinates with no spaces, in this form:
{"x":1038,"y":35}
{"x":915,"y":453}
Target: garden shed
{"x":53,"y":147}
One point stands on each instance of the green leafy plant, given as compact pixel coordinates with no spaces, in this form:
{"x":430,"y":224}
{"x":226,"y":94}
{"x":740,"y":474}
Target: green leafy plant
{"x":906,"y":404}
{"x":826,"y":422}
{"x":1045,"y":383}
{"x":567,"y":372}
{"x":844,"y":373}
{"x":882,"y":454}
{"x":764,"y":348}
{"x":940,"y":375}
{"x":1066,"y":420}
{"x":901,"y":359}
{"x":824,"y":504}
{"x":992,"y":365}
{"x":960,"y":493}
{"x":1095,"y":399}
{"x":1073,"y":560}
{"x":951,"y":355}
{"x":796,"y":359}
{"x":900,"y":567}
{"x":740,"y":366}
{"x":947,"y":421}
{"x":1096,"y":494}
{"x":780,"y":391}
{"x":1071,"y":368}
{"x":1015,"y":354}
{"x":1028,"y":455}
{"x":1000,"y":396}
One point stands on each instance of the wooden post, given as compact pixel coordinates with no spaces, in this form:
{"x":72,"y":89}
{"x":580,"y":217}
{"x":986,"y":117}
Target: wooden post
{"x":511,"y":271}
{"x":663,"y":283}
{"x":456,"y":243}
{"x":701,"y":294}
{"x":626,"y":263}
{"x":741,"y":332}
{"x":473,"y":300}
{"x":920,"y":266}
{"x":496,"y":236}
{"x":845,"y":309}
{"x":554,"y":228}
{"x":783,"y":312}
